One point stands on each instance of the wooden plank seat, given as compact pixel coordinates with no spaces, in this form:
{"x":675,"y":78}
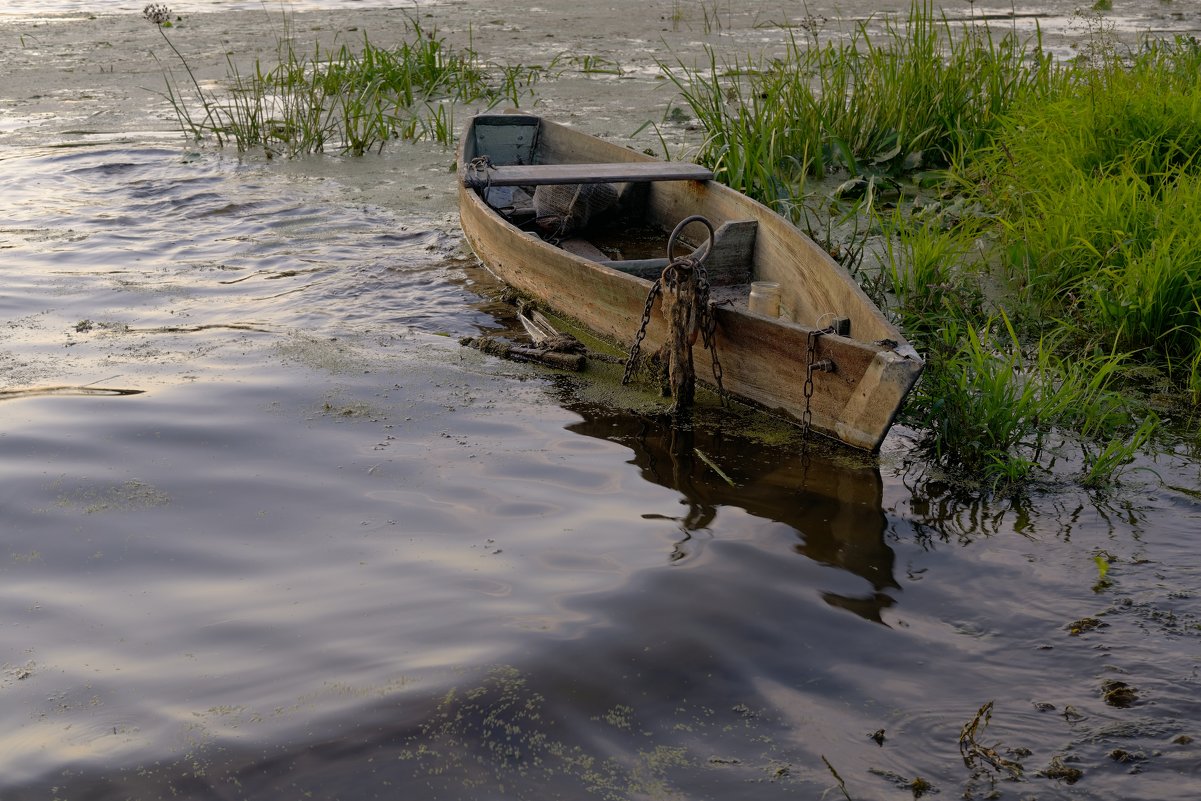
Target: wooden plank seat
{"x":585,"y":173}
{"x":729,"y":263}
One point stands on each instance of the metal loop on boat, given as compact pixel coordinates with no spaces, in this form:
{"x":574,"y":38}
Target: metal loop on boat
{"x":671,"y":240}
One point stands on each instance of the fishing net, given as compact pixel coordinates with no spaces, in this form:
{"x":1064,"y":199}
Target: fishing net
{"x":565,"y":208}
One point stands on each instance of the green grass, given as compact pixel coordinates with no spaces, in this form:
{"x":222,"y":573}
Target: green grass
{"x":917,"y":95}
{"x":1094,"y":191}
{"x":1087,"y":191}
{"x":350,"y":99}
{"x":1003,"y":411}
{"x":929,"y":273}
{"x":1192,"y":367}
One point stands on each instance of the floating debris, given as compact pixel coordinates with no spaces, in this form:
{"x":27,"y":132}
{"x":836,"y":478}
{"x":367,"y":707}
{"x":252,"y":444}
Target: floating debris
{"x":1085,"y":624}
{"x":973,"y":751}
{"x":917,"y":785}
{"x":1061,"y":772}
{"x":920,"y":787}
{"x":505,"y":350}
{"x":1118,"y":693}
{"x":1126,"y":757}
{"x":86,"y":391}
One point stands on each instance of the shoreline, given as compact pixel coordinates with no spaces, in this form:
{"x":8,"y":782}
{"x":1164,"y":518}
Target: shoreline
{"x":72,"y":77}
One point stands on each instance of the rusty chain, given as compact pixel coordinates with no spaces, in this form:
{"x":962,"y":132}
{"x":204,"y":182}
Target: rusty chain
{"x":632,"y":359}
{"x":677,"y":272}
{"x":708,"y":326}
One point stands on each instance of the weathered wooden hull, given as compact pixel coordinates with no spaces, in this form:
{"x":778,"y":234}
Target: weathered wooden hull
{"x":764,"y":360}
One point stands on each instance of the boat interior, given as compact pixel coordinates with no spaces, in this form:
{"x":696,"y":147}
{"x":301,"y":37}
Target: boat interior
{"x":620,"y":232}
{"x":595,"y":200}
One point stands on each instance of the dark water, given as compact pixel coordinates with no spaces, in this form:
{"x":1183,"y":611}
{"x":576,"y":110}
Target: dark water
{"x":327,"y":550}
{"x":267,"y":531}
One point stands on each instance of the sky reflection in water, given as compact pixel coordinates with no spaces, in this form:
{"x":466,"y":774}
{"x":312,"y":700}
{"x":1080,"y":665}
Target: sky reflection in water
{"x":269,"y":569}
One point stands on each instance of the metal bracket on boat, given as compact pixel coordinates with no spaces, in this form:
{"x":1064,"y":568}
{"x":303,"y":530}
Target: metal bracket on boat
{"x":813,"y":364}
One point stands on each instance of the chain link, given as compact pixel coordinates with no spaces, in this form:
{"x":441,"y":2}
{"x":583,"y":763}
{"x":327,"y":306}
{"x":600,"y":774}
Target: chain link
{"x":708,"y":326}
{"x":812,"y":363}
{"x":810,"y":358}
{"x":635,"y":349}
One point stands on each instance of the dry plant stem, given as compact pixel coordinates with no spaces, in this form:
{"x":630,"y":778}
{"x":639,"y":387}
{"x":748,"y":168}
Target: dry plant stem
{"x":208,"y":119}
{"x":972,"y":750}
{"x":842,"y":786}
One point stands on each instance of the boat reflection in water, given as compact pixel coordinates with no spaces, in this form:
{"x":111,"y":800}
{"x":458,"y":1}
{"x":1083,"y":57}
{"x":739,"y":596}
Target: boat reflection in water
{"x":831,"y":500}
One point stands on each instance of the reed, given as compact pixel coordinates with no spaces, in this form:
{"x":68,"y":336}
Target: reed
{"x":917,"y":95}
{"x":995,"y":407}
{"x":1192,"y":367}
{"x":929,"y":272}
{"x":349,"y":99}
{"x":1094,"y":191}
{"x":751,"y":144}
{"x":1104,"y":466}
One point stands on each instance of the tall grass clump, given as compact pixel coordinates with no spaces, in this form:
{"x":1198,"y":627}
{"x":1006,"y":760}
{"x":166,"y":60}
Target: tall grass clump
{"x":751,"y":143}
{"x":999,"y":408}
{"x":917,"y":94}
{"x":1066,"y":253}
{"x":1095,"y":190}
{"x":1060,"y":252}
{"x":929,"y":273}
{"x":1003,"y":411}
{"x":1074,"y":252}
{"x":350,"y":99}
{"x":1085,"y":196}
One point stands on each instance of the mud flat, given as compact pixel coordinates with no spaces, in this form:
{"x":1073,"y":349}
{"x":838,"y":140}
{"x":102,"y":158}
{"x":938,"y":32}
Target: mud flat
{"x":73,"y":75}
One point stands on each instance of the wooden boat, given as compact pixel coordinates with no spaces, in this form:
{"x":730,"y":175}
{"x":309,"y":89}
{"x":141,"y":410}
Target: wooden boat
{"x":827,"y":335}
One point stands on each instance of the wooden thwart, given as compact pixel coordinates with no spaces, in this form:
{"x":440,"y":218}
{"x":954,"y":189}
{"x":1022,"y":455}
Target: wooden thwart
{"x":585,"y":173}
{"x":729,"y":263}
